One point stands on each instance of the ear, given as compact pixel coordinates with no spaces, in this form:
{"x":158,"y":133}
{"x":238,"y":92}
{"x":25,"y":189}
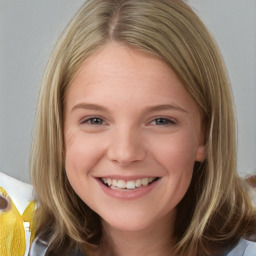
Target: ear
{"x":201,"y":150}
{"x":200,"y":153}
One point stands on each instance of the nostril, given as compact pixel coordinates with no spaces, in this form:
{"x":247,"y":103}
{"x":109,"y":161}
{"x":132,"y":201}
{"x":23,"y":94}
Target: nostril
{"x":126,"y":156}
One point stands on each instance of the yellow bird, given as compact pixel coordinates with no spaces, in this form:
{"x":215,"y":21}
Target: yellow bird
{"x":28,"y":216}
{"x":12,"y":232}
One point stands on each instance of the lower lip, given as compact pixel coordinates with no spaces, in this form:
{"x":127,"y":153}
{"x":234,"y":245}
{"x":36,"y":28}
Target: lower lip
{"x":128,"y":194}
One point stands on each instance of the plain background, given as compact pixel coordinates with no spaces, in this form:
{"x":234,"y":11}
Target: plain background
{"x":29,"y":29}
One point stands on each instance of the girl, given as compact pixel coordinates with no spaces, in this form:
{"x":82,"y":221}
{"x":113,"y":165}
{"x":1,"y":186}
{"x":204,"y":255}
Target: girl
{"x":134,"y":151}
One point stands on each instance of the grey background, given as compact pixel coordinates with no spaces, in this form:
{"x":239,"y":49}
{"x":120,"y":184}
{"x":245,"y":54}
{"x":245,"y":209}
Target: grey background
{"x":29,"y":29}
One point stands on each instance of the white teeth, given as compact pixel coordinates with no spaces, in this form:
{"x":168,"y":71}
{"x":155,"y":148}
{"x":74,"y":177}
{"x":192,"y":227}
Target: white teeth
{"x":114,"y":183}
{"x":138,"y":183}
{"x":129,"y":185}
{"x":109,"y":182}
{"x":144,"y":182}
{"x":121,"y":184}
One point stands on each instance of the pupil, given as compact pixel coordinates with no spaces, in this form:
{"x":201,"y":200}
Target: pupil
{"x":161,"y":121}
{"x":96,"y":121}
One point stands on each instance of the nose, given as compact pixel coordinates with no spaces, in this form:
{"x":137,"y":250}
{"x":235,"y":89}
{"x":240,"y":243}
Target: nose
{"x":126,"y":147}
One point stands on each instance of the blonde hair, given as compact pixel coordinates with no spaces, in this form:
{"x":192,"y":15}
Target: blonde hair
{"x":219,"y":209}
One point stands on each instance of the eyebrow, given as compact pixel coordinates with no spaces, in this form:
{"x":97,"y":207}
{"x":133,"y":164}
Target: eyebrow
{"x":88,"y":106}
{"x":147,"y":109}
{"x":165,"y":107}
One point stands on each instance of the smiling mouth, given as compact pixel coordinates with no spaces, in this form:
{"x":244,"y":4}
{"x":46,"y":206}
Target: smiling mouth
{"x":127,"y":185}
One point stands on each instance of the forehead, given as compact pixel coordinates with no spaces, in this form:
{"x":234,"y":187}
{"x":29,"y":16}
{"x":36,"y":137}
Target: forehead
{"x":121,"y":74}
{"x":116,"y":57}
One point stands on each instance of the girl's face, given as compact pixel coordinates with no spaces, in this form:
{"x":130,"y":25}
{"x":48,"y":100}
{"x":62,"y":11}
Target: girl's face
{"x":132,"y":134}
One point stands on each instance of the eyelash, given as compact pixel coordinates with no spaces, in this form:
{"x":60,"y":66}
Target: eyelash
{"x":166,"y":121}
{"x":89,"y":120}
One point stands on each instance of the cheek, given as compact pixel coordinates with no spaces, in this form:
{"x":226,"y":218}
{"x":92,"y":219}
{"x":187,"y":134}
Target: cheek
{"x":176,"y":153}
{"x":81,"y":152}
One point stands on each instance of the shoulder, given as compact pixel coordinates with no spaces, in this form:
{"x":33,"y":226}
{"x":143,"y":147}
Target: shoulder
{"x":40,"y":248}
{"x":244,"y":248}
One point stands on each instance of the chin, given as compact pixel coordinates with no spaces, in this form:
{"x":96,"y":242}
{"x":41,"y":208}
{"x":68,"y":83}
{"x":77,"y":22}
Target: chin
{"x":130,"y":222}
{"x":127,"y":223}
{"x":127,"y":226}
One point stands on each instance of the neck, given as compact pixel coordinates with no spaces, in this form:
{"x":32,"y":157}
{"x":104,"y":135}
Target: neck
{"x":151,"y":241}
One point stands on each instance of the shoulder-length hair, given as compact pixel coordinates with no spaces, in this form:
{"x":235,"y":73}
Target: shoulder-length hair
{"x":216,"y":210}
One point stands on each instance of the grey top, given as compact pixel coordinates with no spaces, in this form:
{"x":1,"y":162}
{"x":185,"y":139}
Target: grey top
{"x":38,"y":247}
{"x":243,"y":248}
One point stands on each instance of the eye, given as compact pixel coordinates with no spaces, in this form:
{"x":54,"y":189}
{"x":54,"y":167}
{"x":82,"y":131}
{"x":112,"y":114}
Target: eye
{"x":163,"y":121}
{"x":96,"y":121}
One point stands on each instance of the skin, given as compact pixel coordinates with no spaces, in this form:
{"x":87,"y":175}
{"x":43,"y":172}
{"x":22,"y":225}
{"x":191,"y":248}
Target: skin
{"x":130,"y":137}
